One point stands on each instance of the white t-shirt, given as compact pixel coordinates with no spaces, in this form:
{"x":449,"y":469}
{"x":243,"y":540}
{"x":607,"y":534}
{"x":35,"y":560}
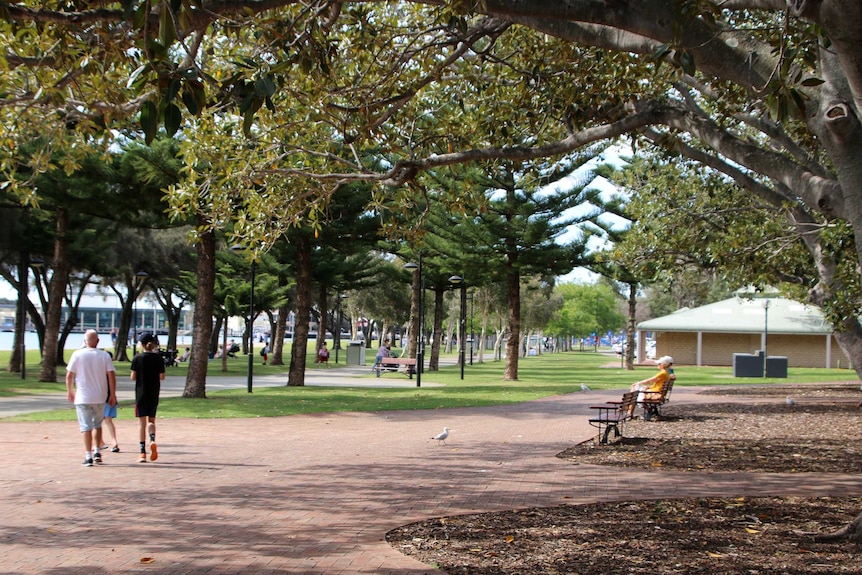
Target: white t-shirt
{"x":90,"y":366}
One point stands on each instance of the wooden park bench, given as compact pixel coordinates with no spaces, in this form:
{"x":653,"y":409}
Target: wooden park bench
{"x":395,"y":363}
{"x":653,"y":400}
{"x":613,"y":415}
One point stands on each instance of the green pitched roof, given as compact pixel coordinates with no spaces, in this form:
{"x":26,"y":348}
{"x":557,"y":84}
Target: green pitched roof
{"x":744,"y":316}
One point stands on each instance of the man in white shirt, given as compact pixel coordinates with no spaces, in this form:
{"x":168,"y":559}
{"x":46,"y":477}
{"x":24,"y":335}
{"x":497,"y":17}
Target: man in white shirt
{"x":90,"y":378}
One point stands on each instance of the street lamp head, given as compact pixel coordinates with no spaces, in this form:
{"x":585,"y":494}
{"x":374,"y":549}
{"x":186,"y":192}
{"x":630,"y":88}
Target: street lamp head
{"x":36,"y":263}
{"x":238,"y":248}
{"x":456,"y":280}
{"x":411,"y":266}
{"x":142,"y":275}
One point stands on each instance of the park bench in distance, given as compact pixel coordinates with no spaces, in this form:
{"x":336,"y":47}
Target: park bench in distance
{"x":395,"y":363}
{"x":613,"y":415}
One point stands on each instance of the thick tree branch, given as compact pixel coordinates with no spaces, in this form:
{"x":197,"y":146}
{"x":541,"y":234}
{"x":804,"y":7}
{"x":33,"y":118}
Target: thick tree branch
{"x":780,"y":138}
{"x":742,"y":178}
{"x":821,"y":193}
{"x":405,"y":170}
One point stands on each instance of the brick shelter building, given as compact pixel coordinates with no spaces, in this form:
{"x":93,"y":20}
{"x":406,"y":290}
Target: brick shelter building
{"x":711,"y":334}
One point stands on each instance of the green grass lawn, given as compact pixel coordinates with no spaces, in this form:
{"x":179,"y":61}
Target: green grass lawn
{"x":483,"y":385}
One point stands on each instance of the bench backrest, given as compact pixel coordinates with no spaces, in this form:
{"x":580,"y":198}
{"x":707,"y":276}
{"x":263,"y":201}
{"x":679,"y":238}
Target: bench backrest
{"x":629,"y":401}
{"x":666,"y":388}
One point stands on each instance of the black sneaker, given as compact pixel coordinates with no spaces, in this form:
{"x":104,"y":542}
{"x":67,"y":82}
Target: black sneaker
{"x":88,"y":462}
{"x":97,"y":457}
{"x":115,"y":449}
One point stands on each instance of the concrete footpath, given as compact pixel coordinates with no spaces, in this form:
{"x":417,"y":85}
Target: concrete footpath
{"x":313,"y":494}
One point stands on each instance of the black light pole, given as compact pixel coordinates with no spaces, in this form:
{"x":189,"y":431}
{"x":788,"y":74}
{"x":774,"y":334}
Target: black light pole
{"x":420,"y":339}
{"x":250,"y":372}
{"x":462,"y":323}
{"x":765,"y":333}
{"x":140,"y":278}
{"x":251,"y":330}
{"x":23,"y":296}
{"x":472,"y":334}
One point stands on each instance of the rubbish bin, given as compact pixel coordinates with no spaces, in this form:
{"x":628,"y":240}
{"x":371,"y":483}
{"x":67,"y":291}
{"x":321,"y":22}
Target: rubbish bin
{"x":356,"y":353}
{"x":776,"y":366}
{"x":748,"y":365}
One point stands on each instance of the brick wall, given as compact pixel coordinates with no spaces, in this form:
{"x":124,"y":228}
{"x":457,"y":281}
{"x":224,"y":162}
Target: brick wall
{"x":718,"y":348}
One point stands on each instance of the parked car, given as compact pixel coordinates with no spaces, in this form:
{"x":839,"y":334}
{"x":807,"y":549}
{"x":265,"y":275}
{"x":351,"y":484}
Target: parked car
{"x":650,"y":350}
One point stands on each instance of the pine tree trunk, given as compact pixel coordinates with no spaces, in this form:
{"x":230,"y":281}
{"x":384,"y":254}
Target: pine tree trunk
{"x":56,"y":291}
{"x":296,"y":375}
{"x":514,"y":336}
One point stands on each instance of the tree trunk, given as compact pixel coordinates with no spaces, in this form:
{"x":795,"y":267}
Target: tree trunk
{"x":68,"y":326}
{"x":56,"y":291}
{"x":172,"y":312}
{"x":122,"y":344}
{"x":437,"y":331}
{"x":16,"y":359}
{"x":630,"y":328}
{"x":296,"y":375}
{"x":513,"y":281}
{"x":840,"y":132}
{"x":196,"y":380}
{"x":851,"y":532}
{"x":217,"y":322}
{"x":498,"y":345}
{"x":415,"y":305}
{"x":277,"y":340}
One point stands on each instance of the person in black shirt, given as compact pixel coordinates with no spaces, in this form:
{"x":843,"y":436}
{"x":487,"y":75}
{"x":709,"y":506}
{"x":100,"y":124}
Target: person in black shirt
{"x":148,"y":371}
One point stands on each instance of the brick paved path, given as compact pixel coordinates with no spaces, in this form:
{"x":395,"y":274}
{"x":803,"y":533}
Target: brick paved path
{"x":310,"y":494}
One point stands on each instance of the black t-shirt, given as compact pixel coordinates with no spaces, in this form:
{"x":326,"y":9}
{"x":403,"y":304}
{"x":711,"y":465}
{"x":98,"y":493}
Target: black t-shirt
{"x":148,"y":366}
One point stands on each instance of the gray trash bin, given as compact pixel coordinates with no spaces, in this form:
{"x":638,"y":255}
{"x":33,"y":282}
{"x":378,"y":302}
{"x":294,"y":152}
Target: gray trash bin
{"x":356,"y":353}
{"x":747,"y":365}
{"x":776,"y":366}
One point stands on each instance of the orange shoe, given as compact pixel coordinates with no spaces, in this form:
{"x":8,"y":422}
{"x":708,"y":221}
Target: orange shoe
{"x":154,"y":452}
{"x":142,"y":458}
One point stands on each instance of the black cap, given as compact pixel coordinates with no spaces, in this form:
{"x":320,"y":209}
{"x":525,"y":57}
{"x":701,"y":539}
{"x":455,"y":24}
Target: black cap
{"x":147,"y":338}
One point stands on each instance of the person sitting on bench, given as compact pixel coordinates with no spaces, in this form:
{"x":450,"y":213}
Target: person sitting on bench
{"x":654,"y":383}
{"x":323,"y":355}
{"x":382,"y":352}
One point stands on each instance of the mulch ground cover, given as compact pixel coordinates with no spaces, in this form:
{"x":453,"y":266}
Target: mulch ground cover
{"x":820,"y":432}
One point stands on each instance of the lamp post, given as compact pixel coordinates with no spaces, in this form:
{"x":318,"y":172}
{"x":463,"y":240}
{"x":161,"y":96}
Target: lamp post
{"x":23,"y":296}
{"x":472,"y":334}
{"x":765,"y":304}
{"x":462,"y":323}
{"x":250,"y":372}
{"x":420,"y":339}
{"x":140,"y":278}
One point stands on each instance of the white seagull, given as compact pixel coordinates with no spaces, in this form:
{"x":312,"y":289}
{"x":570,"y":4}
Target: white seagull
{"x":585,"y":387}
{"x":441,"y":437}
{"x":789,"y":401}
